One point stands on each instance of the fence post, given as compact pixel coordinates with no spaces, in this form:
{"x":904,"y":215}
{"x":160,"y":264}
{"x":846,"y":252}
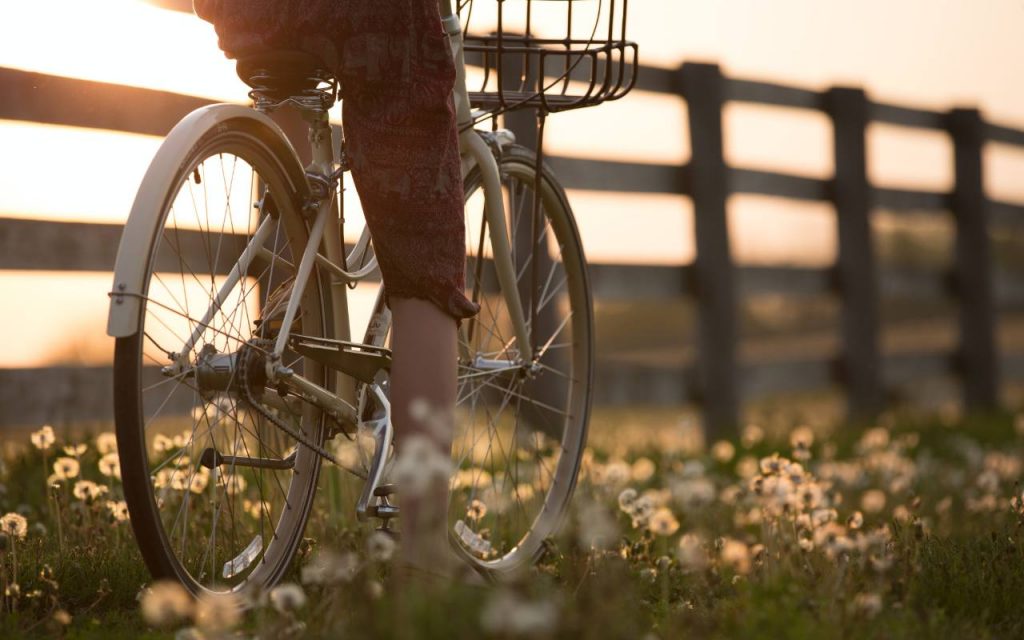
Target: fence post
{"x":973,"y":269}
{"x":860,"y":361}
{"x":703,"y":88}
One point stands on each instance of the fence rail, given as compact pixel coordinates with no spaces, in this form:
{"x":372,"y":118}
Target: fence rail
{"x":715,"y":378}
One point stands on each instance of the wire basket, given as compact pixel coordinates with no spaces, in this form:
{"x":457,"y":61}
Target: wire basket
{"x":548,"y":55}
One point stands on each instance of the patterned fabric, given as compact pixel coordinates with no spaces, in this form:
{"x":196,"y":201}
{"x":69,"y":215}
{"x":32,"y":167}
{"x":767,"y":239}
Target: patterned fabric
{"x":395,"y":66}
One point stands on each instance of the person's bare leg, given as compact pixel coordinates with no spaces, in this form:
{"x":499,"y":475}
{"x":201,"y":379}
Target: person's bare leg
{"x":423,"y":369}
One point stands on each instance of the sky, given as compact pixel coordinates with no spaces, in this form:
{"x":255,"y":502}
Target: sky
{"x":926,"y":53}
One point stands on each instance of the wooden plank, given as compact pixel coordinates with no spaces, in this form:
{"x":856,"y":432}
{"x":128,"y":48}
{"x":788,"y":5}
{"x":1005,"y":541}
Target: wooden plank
{"x":784,"y":280}
{"x":638,"y":282}
{"x":914,"y":284}
{"x":906,"y":116}
{"x":607,"y":175}
{"x":1005,"y":135}
{"x":1009,"y":214}
{"x":908,"y":368}
{"x":777,"y":184}
{"x":973,"y":264}
{"x":767,"y":378}
{"x":860,"y":361}
{"x":62,"y":395}
{"x":37,"y":97}
{"x":897,"y":200}
{"x":773,"y":94}
{"x":703,"y":87}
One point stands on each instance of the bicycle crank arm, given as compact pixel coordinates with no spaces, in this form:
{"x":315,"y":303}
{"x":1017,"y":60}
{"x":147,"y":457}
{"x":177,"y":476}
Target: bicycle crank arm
{"x":211,"y":458}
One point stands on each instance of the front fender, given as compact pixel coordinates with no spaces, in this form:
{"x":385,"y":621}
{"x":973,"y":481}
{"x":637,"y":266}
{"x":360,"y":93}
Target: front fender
{"x":151,"y":201}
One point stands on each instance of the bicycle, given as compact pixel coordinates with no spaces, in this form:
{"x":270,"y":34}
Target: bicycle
{"x":234,"y":364}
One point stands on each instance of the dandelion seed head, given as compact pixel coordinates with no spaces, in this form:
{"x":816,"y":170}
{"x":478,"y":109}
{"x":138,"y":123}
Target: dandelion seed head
{"x":118,"y":510}
{"x":87,"y":490}
{"x":872,"y":501}
{"x":868,"y":605}
{"x":75,"y":450}
{"x":752,"y":434}
{"x":736,"y":555}
{"x":14,"y":525}
{"x":691,"y":553}
{"x":287,"y":597}
{"x":723,"y":451}
{"x":44,"y":438}
{"x":218,"y":612}
{"x":165,"y":603}
{"x":328,"y":567}
{"x":106,"y":442}
{"x":476,"y":510}
{"x":643,"y":470}
{"x":380,"y":546}
{"x":110,"y":465}
{"x":663,"y":522}
{"x":66,"y":468}
{"x":626,"y":499}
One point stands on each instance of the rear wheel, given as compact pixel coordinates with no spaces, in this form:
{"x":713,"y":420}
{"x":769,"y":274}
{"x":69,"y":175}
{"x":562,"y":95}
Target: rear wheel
{"x":218,"y":493}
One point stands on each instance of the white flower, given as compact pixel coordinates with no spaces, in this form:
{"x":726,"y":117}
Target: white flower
{"x":867,"y":604}
{"x":75,"y":450}
{"x":14,"y":525}
{"x":165,"y":603}
{"x":380,"y":546}
{"x":86,"y":490}
{"x":735,"y":554}
{"x":663,"y":522}
{"x":44,"y":438}
{"x":66,"y":468}
{"x":118,"y":509}
{"x":872,"y":501}
{"x":627,"y":498}
{"x":218,"y":612}
{"x":643,"y":469}
{"x":288,"y":597}
{"x":476,"y":510}
{"x":106,"y":443}
{"x":507,"y":613}
{"x":110,"y":465}
{"x":691,"y":553}
{"x":328,"y":567}
{"x":723,"y":451}
{"x":420,"y":465}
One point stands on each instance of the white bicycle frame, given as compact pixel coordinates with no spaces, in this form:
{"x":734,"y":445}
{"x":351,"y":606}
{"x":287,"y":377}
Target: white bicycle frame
{"x":325,"y":246}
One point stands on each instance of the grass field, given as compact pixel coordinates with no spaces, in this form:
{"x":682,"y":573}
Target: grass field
{"x":907,"y":529}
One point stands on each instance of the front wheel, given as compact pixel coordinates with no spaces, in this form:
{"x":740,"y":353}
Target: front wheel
{"x":520,"y":426}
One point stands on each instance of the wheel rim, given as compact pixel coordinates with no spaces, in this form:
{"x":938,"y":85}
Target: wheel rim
{"x":520,"y":431}
{"x":214,"y":521}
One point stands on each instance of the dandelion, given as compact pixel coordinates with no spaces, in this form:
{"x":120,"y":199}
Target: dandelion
{"x":374,"y":589}
{"x":802,"y":437}
{"x":118,"y":510}
{"x":62,"y":617}
{"x":663,"y":523}
{"x":691,"y":553}
{"x":617,"y":473}
{"x":44,"y":438}
{"x":380,"y":546}
{"x":746,"y":467}
{"x":855,"y":521}
{"x":873,"y":501}
{"x":162,"y":444}
{"x":867,"y":604}
{"x":165,"y":604}
{"x":75,"y":450}
{"x":643,"y":509}
{"x":87,"y":490}
{"x":288,"y":597}
{"x":420,"y":465}
{"x":476,"y":510}
{"x":110,"y":465}
{"x":106,"y":443}
{"x":66,"y":468}
{"x":507,"y":613}
{"x":643,"y":470}
{"x":14,"y":525}
{"x":626,"y":499}
{"x":735,"y":554}
{"x":752,"y":435}
{"x":218,"y":612}
{"x":328,"y":567}
{"x":723,"y":451}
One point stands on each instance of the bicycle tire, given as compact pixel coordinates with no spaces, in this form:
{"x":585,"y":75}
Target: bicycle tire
{"x":249,"y":526}
{"x":477,"y":542}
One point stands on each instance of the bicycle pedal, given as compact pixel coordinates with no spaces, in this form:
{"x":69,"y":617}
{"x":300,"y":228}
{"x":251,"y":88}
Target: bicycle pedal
{"x":385,"y":490}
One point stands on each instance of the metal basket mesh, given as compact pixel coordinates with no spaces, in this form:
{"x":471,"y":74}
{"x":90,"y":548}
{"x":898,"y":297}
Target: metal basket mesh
{"x":548,"y":55}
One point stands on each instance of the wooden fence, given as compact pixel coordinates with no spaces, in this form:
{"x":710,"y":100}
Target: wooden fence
{"x":717,"y":381}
